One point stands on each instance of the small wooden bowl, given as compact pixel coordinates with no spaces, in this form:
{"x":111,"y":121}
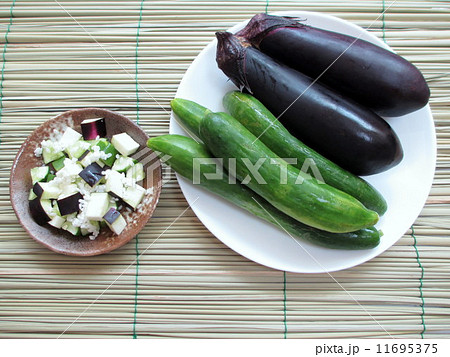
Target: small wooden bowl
{"x":59,"y":240}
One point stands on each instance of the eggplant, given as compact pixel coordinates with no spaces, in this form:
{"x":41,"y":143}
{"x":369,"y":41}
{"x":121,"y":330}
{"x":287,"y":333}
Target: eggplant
{"x":337,"y":127}
{"x":69,"y":204}
{"x":92,"y":174}
{"x":115,"y":220}
{"x":373,"y":76}
{"x":38,"y":213}
{"x":93,"y":128}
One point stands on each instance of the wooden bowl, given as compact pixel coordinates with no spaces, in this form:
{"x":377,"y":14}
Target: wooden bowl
{"x":59,"y":240}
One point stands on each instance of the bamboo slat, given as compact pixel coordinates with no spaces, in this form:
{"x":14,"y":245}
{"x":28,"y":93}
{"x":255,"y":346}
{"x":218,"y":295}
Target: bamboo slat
{"x":62,"y":55}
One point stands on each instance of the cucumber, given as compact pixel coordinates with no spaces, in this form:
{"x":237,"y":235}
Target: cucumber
{"x":301,"y":196}
{"x":39,"y":174}
{"x":136,"y":172}
{"x":182,"y":151}
{"x":189,"y":113}
{"x":58,"y":164}
{"x":252,"y":114}
{"x":123,"y":163}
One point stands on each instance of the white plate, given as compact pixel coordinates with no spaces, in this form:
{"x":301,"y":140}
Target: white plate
{"x":405,"y":186}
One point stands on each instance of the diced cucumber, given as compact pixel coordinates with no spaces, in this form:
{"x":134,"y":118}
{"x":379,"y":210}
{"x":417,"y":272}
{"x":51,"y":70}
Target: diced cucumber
{"x":136,"y":172}
{"x":39,"y":173}
{"x":58,"y":164}
{"x":32,"y":195}
{"x":133,"y":196}
{"x":51,"y":151}
{"x":123,"y":163}
{"x":110,"y":149}
{"x":56,"y":208}
{"x":77,"y":149}
{"x":84,"y":232}
{"x":69,"y":137}
{"x":97,"y":206}
{"x":125,"y":144}
{"x":50,"y":177}
{"x":69,"y":227}
{"x":102,"y":143}
{"x":57,"y":221}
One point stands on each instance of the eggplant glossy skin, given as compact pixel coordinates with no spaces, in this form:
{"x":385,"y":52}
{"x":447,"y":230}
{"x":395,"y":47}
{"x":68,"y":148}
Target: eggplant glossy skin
{"x":343,"y":131}
{"x":373,"y":76}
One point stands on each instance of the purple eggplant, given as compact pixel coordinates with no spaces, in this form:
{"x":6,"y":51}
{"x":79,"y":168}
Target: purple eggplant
{"x":92,"y":174}
{"x":93,"y":128}
{"x":69,"y":204}
{"x":373,"y":76}
{"x":337,"y":127}
{"x":38,"y":213}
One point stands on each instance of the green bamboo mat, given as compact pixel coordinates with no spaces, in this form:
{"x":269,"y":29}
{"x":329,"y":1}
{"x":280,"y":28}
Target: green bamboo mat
{"x":62,"y":55}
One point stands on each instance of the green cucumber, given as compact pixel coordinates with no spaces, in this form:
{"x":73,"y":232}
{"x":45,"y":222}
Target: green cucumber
{"x":110,"y":149}
{"x":39,"y":174}
{"x":189,"y":113}
{"x":252,"y":114}
{"x":58,"y":164}
{"x":292,"y":191}
{"x":182,"y":152}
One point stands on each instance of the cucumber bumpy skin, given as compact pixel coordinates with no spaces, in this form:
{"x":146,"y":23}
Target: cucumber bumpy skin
{"x":301,"y":196}
{"x":252,"y":114}
{"x":182,"y":151}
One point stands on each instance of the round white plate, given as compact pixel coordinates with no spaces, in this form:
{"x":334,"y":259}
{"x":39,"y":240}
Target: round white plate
{"x":405,"y":186}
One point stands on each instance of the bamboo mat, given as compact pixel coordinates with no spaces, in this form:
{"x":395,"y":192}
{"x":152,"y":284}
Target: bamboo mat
{"x":130,"y":56}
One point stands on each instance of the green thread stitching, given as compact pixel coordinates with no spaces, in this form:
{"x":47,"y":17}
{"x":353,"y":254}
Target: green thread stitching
{"x":422,"y":272}
{"x":136,"y":283}
{"x":4,"y":58}
{"x":284,"y":306}
{"x":383,"y":22}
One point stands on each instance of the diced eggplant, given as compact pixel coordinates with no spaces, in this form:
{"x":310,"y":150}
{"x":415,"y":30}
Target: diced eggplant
{"x":136,"y":172}
{"x":93,"y":128}
{"x":57,"y":221}
{"x":115,"y":221}
{"x":92,"y":174}
{"x":83,"y":155}
{"x":69,"y":137}
{"x":69,"y":204}
{"x":46,"y":190}
{"x":340,"y":129}
{"x":97,"y":206}
{"x":38,"y":213}
{"x":48,"y":207}
{"x":125,"y":144}
{"x":123,"y":163}
{"x":39,"y":173}
{"x":133,"y":196}
{"x":58,"y":164}
{"x":114,"y":184}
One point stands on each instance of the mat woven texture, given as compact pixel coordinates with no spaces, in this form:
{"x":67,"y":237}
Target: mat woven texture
{"x":60,"y":55}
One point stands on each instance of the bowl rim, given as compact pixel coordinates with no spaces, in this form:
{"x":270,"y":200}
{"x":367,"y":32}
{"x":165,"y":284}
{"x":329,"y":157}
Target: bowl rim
{"x":156,"y":188}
